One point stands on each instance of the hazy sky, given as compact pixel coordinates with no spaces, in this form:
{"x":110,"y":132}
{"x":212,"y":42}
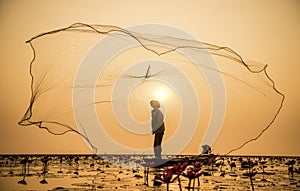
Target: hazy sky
{"x":265,"y":31}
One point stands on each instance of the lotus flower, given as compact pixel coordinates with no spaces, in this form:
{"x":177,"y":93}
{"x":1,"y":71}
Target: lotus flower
{"x":24,"y":160}
{"x":193,"y":172}
{"x":250,"y":174}
{"x":179,"y":168}
{"x":166,"y":176}
{"x":211,"y":160}
{"x":197,"y":166}
{"x":45,"y":159}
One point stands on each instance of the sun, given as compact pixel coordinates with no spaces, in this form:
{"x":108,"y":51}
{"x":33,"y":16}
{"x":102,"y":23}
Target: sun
{"x":161,"y":94}
{"x":143,"y":93}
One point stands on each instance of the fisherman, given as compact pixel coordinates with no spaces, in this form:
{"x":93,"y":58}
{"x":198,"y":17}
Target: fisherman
{"x":158,"y":127}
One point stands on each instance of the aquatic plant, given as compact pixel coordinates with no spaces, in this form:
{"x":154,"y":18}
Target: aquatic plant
{"x":167,"y":176}
{"x":137,"y":164}
{"x":291,"y":168}
{"x":211,"y":161}
{"x":147,"y":166}
{"x":45,"y":160}
{"x":24,"y":164}
{"x":250,"y":173}
{"x":29,"y":161}
{"x":76,"y":160}
{"x":11,"y":162}
{"x":178,"y":169}
{"x":220,"y":163}
{"x":60,"y":164}
{"x":193,"y":172}
{"x":232,"y":165}
{"x":263,"y":165}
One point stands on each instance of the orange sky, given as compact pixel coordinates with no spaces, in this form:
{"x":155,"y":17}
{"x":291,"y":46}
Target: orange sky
{"x":264,"y":31}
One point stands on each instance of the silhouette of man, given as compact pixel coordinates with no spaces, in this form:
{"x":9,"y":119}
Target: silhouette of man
{"x":158,"y":127}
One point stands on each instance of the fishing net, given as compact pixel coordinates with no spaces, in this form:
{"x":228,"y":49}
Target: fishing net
{"x":97,"y":80}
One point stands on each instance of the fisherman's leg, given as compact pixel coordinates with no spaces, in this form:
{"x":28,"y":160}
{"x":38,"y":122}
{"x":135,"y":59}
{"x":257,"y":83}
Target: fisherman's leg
{"x":158,"y":148}
{"x":155,"y":145}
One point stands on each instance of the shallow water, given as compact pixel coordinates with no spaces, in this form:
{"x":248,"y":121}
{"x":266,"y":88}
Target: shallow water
{"x":126,"y":173}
